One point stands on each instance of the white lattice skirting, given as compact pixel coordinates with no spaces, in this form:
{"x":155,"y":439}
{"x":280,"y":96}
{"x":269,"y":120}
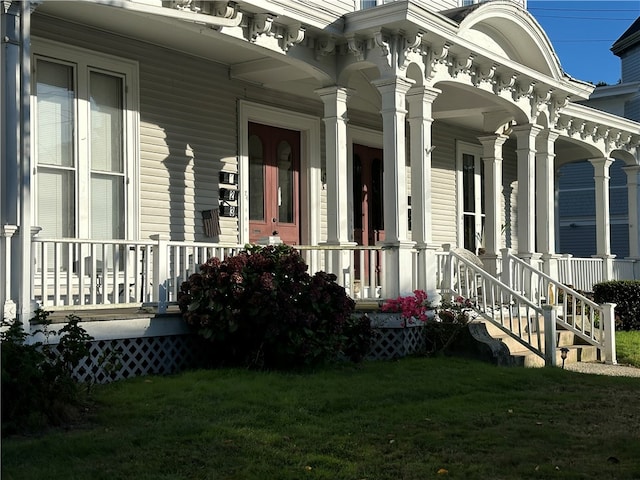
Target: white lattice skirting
{"x":397,"y":342}
{"x":111,"y":360}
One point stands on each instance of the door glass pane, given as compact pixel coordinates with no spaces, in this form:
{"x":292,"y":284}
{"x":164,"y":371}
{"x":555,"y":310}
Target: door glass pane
{"x":106,"y":123}
{"x":107,"y":207}
{"x":468,"y":183}
{"x":256,"y":179}
{"x":377,"y":209}
{"x":469,"y":232}
{"x":55,"y":114}
{"x":285,"y":183}
{"x":357,"y":192}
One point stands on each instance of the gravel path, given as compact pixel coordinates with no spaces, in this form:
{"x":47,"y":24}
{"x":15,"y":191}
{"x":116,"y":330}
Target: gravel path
{"x":597,"y":368}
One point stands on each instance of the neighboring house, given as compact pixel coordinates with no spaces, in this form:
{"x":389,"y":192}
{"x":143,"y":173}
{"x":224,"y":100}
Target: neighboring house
{"x":140,"y":137}
{"x":576,"y":205}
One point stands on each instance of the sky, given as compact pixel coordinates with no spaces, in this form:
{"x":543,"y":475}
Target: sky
{"x":582,"y":32}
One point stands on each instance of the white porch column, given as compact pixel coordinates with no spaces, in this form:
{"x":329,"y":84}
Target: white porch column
{"x":633,"y":199}
{"x":526,"y":136}
{"x":420,"y":100}
{"x":7,"y":304}
{"x":15,"y":204}
{"x":546,"y":200}
{"x":398,"y":278}
{"x":335,"y":120}
{"x":492,"y":158}
{"x":603,"y":228}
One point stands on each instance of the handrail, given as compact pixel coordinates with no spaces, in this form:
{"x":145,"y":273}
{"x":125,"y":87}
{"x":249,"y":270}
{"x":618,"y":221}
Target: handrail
{"x":501,"y":305}
{"x":579,"y":314}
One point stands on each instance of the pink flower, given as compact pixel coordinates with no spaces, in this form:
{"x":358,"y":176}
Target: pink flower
{"x":410,"y":306}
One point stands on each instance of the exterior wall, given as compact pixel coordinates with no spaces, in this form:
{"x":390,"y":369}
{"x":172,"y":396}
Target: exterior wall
{"x":443,"y":176}
{"x":188,"y":130}
{"x":630,"y":60}
{"x":338,"y":7}
{"x":577,"y":207}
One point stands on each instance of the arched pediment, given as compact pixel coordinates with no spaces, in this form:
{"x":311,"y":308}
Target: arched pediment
{"x":505,"y":29}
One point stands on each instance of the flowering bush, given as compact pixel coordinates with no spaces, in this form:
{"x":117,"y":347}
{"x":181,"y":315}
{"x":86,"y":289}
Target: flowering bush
{"x":454,"y":311}
{"x":410,"y":307}
{"x":262,"y":309}
{"x":451,"y":319}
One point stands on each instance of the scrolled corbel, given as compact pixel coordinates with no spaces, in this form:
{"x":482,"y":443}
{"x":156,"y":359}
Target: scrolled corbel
{"x":356,"y":47}
{"x":261,"y":24}
{"x":293,"y":36}
{"x":504,"y":81}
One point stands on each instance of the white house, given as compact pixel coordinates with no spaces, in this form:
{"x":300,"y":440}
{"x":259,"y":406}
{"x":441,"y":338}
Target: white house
{"x":140,"y":137}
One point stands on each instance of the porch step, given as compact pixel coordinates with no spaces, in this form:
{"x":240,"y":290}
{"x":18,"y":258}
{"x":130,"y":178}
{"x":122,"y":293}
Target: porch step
{"x":578,"y":351}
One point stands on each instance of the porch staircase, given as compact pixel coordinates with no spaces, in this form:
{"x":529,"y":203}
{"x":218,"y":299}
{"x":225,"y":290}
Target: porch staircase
{"x":533,"y":320}
{"x":577,"y":349}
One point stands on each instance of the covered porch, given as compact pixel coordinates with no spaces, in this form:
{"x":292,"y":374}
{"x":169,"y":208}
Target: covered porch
{"x":470,"y":132}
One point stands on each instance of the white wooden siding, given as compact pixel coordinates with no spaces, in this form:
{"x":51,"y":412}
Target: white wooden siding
{"x":338,"y":7}
{"x":443,"y":180}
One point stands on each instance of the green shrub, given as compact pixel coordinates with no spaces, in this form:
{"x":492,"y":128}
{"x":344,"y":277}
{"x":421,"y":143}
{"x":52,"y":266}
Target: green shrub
{"x":38,"y":388}
{"x":452,"y":317}
{"x":261,"y":309}
{"x":626,"y":295}
{"x":359,"y":336}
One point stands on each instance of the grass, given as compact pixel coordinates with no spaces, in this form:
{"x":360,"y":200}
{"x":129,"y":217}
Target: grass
{"x":628,"y":347}
{"x":408,"y":419}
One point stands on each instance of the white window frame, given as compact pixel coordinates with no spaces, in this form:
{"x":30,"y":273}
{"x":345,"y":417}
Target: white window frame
{"x":465,"y":148}
{"x":85,"y":61}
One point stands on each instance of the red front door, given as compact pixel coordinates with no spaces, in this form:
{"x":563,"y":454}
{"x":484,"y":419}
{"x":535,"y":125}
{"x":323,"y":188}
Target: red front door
{"x":367,"y":195}
{"x":274,"y":190}
{"x":368,"y":220}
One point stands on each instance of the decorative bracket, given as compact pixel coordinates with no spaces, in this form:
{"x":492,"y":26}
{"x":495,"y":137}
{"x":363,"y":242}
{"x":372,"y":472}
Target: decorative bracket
{"x":460,"y":64}
{"x":325,"y":46}
{"x":538,"y":99}
{"x":483,"y":73}
{"x":435,"y":56}
{"x":503,"y":81}
{"x":555,"y":106}
{"x":293,"y":36}
{"x":356,"y":46}
{"x":409,"y":46}
{"x":523,"y":88}
{"x":261,"y":24}
{"x":575,"y":126}
{"x":601,"y":133}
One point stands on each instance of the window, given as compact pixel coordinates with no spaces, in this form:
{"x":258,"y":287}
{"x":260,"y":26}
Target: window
{"x":85,"y":130}
{"x":471,"y":196}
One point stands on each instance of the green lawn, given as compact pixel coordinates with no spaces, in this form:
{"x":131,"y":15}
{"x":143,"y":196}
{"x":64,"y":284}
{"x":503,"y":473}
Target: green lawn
{"x":628,"y":347}
{"x":408,"y":419}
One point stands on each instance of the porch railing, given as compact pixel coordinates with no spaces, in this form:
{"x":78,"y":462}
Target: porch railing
{"x":496,"y":302}
{"x":586,"y":319}
{"x":76,"y":274}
